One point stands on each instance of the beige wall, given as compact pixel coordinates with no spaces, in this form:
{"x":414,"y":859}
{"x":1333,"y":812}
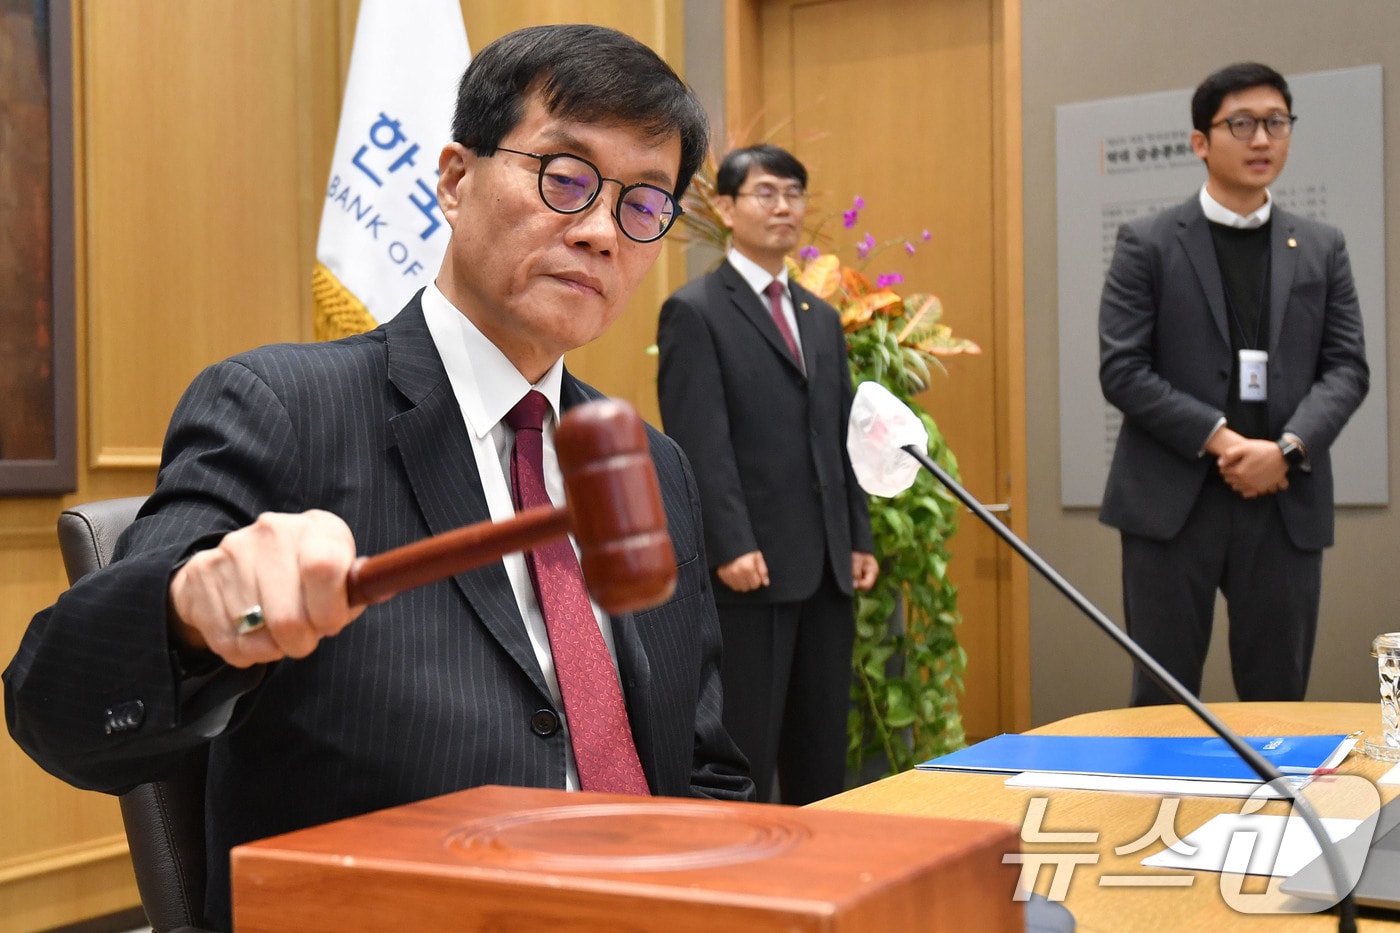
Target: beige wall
{"x":1079,"y":50}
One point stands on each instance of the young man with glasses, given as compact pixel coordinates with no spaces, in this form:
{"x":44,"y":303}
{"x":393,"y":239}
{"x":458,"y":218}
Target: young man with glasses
{"x":225,"y":615}
{"x":755,"y":386}
{"x":1230,"y":338}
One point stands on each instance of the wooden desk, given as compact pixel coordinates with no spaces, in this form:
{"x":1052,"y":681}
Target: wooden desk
{"x":1120,"y":819}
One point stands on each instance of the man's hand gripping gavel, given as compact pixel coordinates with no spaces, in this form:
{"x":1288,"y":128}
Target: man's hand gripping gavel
{"x":300,"y":575}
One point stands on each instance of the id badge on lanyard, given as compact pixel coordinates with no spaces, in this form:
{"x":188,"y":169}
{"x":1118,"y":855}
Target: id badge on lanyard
{"x":1254,"y":376}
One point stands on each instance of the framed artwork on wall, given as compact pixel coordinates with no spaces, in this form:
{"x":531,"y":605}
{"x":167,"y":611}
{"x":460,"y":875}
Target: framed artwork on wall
{"x":38,"y":430}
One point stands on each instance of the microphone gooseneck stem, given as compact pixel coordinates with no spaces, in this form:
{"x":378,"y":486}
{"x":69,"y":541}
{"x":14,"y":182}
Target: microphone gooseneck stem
{"x":1261,"y":765}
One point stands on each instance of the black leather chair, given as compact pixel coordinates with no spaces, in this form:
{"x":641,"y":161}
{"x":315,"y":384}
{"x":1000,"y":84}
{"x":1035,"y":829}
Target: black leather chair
{"x":164,"y":819}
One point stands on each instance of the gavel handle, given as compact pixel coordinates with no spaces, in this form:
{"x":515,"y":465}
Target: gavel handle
{"x":375,"y":579}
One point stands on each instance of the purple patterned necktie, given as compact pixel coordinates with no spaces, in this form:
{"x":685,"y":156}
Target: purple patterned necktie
{"x":775,"y":305}
{"x":602,"y":739}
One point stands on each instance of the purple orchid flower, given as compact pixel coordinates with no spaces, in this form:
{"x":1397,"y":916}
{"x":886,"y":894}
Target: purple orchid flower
{"x":849,"y":218}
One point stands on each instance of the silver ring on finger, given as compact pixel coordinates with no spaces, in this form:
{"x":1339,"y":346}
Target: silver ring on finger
{"x":250,"y":620}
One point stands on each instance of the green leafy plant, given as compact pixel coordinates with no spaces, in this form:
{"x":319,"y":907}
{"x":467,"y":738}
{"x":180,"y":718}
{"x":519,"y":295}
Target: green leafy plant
{"x":907,"y":662}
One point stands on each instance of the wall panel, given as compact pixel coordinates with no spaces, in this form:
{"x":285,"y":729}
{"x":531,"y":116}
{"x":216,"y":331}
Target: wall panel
{"x":194,"y":170}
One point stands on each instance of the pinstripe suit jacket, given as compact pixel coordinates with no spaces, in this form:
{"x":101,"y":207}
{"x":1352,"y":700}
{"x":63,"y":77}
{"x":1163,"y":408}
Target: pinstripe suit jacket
{"x":433,"y":691}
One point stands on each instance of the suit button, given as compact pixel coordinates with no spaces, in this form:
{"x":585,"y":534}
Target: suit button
{"x":124,"y":717}
{"x":544,"y":722}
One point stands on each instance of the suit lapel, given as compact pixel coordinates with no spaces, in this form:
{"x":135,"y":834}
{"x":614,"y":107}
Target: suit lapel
{"x":802,"y":303}
{"x":634,"y":671}
{"x":437,"y":456}
{"x":1283,"y":265}
{"x":1194,"y":234}
{"x":754,"y":310}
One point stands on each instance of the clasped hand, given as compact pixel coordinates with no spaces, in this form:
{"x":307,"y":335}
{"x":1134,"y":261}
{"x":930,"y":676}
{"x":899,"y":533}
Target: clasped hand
{"x":1252,"y":467}
{"x":748,"y":572}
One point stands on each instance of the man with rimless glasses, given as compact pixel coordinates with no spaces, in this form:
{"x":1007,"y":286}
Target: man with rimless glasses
{"x":755,"y":386}
{"x":1230,"y":338}
{"x":224,"y":617}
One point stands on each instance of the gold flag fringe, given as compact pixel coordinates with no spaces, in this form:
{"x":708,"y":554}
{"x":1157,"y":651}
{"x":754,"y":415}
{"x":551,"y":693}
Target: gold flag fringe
{"x":337,"y":312}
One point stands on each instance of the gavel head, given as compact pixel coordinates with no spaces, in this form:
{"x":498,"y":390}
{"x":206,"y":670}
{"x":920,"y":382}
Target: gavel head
{"x":615,"y":506}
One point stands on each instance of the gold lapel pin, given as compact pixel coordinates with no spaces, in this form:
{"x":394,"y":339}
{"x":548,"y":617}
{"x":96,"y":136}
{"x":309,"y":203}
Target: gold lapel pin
{"x":804,"y":306}
{"x":1292,"y":243}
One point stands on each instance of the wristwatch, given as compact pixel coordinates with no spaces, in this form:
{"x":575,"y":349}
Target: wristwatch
{"x":1293,"y":453}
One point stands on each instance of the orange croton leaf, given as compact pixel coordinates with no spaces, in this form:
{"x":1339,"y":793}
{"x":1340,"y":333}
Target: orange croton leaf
{"x":821,"y":276}
{"x":883,"y":301}
{"x":854,"y":283}
{"x":854,"y":316}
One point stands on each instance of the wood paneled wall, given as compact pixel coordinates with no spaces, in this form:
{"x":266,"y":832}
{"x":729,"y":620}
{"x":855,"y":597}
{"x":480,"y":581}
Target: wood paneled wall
{"x":203,"y":134}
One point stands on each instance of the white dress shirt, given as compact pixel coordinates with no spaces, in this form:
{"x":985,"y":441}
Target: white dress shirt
{"x":758,"y":279}
{"x":487,"y":386}
{"x":1220,"y":214}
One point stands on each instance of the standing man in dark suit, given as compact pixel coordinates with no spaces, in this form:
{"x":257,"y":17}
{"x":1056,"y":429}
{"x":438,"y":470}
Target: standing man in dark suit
{"x":755,"y":387}
{"x":1230,"y":338}
{"x":224,"y":616}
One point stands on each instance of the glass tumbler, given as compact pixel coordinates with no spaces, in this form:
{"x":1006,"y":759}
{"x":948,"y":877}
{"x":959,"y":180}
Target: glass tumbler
{"x":1386,"y":650}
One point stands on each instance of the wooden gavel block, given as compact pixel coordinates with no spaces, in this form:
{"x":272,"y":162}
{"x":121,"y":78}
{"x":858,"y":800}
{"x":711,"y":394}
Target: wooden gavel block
{"x":613,"y":510}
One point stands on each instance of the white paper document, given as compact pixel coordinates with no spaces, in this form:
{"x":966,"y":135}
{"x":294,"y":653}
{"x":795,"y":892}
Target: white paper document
{"x":1253,"y":844}
{"x":1166,"y":787}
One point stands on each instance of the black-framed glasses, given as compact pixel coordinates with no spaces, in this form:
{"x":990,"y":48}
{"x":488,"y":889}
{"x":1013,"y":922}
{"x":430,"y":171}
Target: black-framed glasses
{"x":767,"y":196}
{"x":1244,"y":125}
{"x":570,"y":184}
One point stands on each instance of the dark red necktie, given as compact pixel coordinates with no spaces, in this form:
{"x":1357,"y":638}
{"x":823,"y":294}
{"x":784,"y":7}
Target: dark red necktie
{"x":602,"y":739}
{"x":775,"y":304}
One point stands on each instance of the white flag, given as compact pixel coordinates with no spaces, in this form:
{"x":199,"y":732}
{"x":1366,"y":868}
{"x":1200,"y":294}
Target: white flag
{"x":382,"y":234}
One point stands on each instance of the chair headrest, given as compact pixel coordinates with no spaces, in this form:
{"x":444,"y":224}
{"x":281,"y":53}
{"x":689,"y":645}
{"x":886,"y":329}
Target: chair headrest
{"x":88,"y":533}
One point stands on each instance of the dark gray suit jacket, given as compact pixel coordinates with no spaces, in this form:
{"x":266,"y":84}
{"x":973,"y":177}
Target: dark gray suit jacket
{"x":767,"y":442}
{"x":435,"y":690}
{"x":1165,"y":362}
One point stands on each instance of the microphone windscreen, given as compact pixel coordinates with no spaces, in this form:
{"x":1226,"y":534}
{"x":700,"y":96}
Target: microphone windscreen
{"x":879,"y":426}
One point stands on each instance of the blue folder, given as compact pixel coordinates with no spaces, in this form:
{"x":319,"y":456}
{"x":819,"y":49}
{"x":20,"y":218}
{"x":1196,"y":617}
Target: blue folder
{"x":1191,"y":757}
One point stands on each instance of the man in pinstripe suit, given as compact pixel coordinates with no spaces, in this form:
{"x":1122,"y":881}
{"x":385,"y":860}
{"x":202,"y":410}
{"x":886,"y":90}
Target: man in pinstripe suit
{"x":283,"y":463}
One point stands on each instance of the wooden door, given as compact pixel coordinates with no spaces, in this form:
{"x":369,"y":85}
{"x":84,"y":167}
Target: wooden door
{"x":904,"y":103}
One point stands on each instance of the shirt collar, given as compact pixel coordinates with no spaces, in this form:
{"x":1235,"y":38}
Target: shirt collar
{"x":757,"y":276}
{"x":1218,"y":213}
{"x":486,"y":383}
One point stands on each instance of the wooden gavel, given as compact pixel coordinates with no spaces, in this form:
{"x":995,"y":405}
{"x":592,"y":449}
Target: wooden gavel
{"x":613,"y":510}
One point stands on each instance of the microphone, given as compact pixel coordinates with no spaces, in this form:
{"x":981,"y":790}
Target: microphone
{"x":879,"y":421}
